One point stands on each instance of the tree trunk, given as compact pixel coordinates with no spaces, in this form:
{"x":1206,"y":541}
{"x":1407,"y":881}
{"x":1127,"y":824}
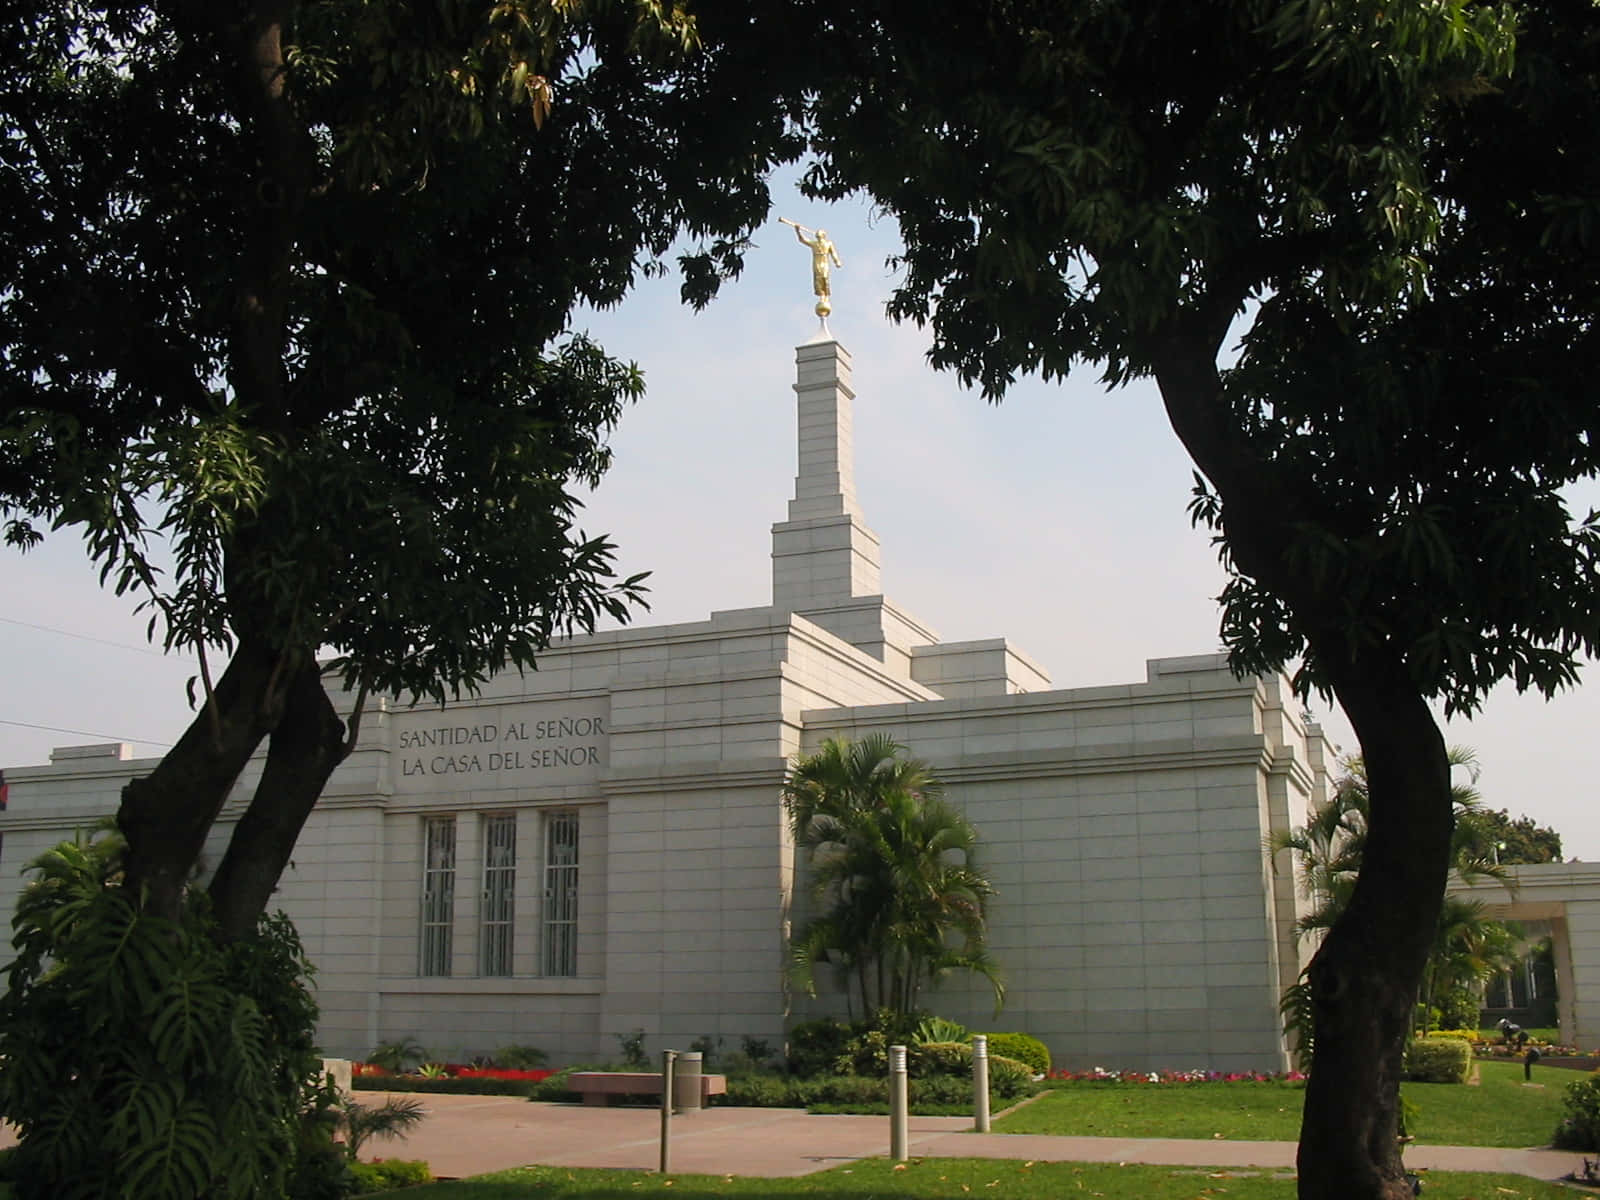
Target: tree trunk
{"x":307,"y":745}
{"x":167,"y":814}
{"x":1365,"y":977}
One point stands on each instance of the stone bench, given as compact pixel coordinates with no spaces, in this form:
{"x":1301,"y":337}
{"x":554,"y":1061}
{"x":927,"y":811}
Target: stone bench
{"x":602,"y":1087}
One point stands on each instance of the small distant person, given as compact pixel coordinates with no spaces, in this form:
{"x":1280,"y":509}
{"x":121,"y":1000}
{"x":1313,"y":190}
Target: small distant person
{"x":1512,"y":1033}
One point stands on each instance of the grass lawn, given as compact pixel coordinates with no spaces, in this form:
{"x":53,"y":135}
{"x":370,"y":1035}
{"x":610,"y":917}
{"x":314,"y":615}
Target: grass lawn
{"x":948,"y":1179}
{"x":1246,"y":1111}
{"x":1499,"y":1111}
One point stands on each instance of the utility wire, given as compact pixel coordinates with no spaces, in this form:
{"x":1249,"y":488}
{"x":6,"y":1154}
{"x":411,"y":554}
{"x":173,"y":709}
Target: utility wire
{"x":84,"y":637}
{"x":86,"y":733}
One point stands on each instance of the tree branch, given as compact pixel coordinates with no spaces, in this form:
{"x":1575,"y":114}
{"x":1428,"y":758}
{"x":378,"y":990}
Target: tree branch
{"x":167,"y":814}
{"x":306,"y":746}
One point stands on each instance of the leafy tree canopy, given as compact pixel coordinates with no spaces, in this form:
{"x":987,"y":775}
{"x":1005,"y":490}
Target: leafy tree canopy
{"x":1511,"y":840}
{"x":1115,"y":184}
{"x":289,"y":287}
{"x":1355,"y":244}
{"x":284,"y":283}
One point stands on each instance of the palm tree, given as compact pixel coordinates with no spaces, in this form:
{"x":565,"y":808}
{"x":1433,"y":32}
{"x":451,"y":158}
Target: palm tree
{"x":1328,"y":850}
{"x":391,"y":1119}
{"x":901,"y":900}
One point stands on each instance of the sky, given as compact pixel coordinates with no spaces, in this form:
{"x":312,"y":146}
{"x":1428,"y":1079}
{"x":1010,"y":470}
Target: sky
{"x":1056,"y":519}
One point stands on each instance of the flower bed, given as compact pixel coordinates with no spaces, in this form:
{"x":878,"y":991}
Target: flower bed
{"x":532,"y":1076}
{"x":450,"y":1079}
{"x":1545,"y":1049}
{"x":1101,"y":1075}
{"x":1567,"y":1057}
{"x":453,"y":1071}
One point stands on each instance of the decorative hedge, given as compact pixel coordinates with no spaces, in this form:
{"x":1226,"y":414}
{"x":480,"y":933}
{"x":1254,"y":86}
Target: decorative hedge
{"x":931,"y":1095}
{"x":387,"y":1174}
{"x":1580,"y":1125}
{"x":473,"y":1086}
{"x":1438,"y":1060}
{"x":939,"y":1058}
{"x":1007,"y":1076}
{"x":1024,"y":1048}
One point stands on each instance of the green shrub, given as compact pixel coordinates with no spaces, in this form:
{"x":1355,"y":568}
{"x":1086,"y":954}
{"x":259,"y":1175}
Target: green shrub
{"x":709,"y":1048}
{"x":633,"y":1051}
{"x":321,"y":1168}
{"x":939,"y":1058}
{"x":940,"y":1089}
{"x":757,"y":1050}
{"x":554,"y":1087}
{"x":1458,"y":1008}
{"x":930,"y":1094}
{"x":148,"y":1056}
{"x":848,"y":1089}
{"x":1580,"y":1126}
{"x":363,"y":1122}
{"x":866,"y":1052}
{"x":1009,"y":1078}
{"x":814,"y":1045}
{"x":321,"y":1172}
{"x":937,"y":1029}
{"x":387,"y":1174}
{"x":828,"y":1045}
{"x":1437,"y":1060}
{"x":452,"y":1087}
{"x":520,"y":1058}
{"x":763,"y":1091}
{"x":397,"y":1057}
{"x":1023,"y":1048}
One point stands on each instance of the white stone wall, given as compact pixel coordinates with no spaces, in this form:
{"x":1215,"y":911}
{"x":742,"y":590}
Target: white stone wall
{"x":1137,"y":918}
{"x":964,"y":670}
{"x":1567,"y":895}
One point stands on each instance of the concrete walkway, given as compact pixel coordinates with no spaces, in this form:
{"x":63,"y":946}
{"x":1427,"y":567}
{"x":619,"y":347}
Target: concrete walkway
{"x":472,"y":1135}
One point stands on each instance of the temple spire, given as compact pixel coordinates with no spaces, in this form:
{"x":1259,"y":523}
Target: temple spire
{"x":824,"y":554}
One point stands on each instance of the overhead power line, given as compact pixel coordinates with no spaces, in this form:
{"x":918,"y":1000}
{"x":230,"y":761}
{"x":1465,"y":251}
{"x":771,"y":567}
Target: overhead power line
{"x":84,"y":637}
{"x":110,"y":737}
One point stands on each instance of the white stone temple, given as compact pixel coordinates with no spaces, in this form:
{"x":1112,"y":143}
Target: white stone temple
{"x":600,"y":846}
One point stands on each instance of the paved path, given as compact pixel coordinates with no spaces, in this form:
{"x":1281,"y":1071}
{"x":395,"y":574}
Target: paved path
{"x":471,"y":1135}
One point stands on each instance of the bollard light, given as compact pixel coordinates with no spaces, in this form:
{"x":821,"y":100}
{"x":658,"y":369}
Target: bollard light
{"x":668,"y":1058}
{"x":899,"y":1125}
{"x":980,"y":1083}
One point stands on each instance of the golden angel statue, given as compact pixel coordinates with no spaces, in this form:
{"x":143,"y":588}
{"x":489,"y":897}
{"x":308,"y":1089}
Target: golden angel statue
{"x":822,"y":253}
